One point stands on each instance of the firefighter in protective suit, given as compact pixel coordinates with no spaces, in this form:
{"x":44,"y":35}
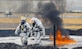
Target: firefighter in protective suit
{"x":23,"y":30}
{"x":37,"y":29}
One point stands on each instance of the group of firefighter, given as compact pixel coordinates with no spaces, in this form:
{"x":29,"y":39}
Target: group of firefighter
{"x":26,"y":30}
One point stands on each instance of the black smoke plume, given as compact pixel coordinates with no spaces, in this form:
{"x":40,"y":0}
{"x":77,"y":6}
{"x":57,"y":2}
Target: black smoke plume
{"x":50,"y":12}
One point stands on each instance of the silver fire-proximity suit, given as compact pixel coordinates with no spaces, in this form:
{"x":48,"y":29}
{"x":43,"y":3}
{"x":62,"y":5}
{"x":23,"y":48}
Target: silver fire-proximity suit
{"x":23,"y":30}
{"x":37,"y":29}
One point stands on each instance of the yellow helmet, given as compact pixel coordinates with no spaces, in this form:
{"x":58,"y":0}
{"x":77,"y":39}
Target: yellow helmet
{"x":23,"y":18}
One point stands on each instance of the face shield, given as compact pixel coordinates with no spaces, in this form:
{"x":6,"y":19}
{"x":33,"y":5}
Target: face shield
{"x":23,"y":22}
{"x":34,"y":23}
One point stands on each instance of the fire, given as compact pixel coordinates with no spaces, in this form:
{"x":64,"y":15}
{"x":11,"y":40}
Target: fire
{"x":62,"y":40}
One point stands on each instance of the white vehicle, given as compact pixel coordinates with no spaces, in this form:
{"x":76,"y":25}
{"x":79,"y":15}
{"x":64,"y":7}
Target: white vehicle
{"x":8,"y":13}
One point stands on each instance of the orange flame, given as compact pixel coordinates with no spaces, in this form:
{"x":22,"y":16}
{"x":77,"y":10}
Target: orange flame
{"x":62,"y":40}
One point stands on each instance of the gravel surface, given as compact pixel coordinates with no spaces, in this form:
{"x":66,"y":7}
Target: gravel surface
{"x":14,"y":46}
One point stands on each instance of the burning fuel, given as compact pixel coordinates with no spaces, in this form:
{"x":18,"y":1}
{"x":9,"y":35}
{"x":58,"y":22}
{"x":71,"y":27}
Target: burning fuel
{"x":62,"y":40}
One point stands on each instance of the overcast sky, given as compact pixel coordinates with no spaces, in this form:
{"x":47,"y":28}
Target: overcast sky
{"x":74,"y":4}
{"x":15,"y":5}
